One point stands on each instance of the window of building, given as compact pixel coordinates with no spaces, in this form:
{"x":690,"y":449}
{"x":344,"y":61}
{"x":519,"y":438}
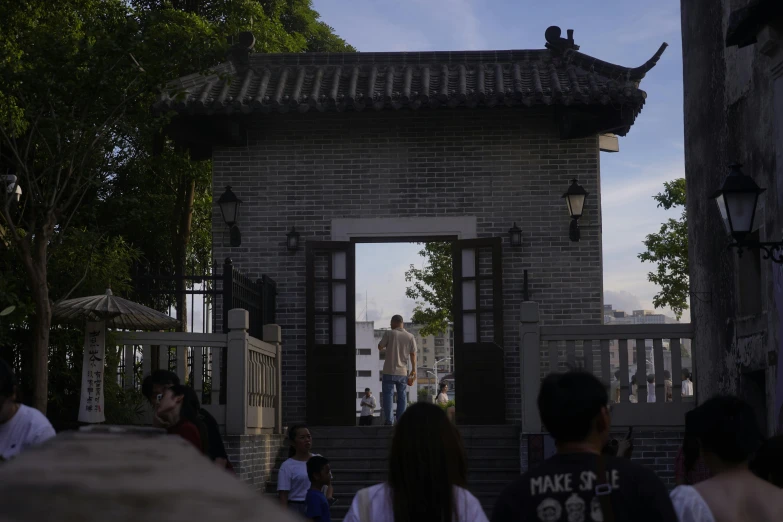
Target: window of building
{"x":749,"y":280}
{"x":424,"y":341}
{"x":364,"y":373}
{"x":359,"y":395}
{"x":439,"y":342}
{"x":426,"y":350}
{"x":364,"y":351}
{"x":382,"y":356}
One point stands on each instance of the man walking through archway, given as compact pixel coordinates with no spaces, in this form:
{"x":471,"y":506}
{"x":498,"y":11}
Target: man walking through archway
{"x":400,"y":347}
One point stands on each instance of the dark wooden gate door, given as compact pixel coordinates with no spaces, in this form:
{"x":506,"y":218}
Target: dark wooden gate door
{"x":331,"y":334}
{"x":478,"y":331}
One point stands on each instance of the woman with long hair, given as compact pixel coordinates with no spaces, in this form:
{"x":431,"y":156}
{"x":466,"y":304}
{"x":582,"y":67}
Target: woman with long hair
{"x":176,"y":408}
{"x":727,"y":435}
{"x":292,"y":479}
{"x":427,"y":475}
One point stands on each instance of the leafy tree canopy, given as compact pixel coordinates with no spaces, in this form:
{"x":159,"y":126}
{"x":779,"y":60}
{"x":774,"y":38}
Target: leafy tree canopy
{"x":432,"y":289}
{"x":669,"y":250}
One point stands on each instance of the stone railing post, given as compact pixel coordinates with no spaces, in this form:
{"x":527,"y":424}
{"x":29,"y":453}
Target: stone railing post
{"x":236,"y":372}
{"x":273,"y":336}
{"x":530,"y":362}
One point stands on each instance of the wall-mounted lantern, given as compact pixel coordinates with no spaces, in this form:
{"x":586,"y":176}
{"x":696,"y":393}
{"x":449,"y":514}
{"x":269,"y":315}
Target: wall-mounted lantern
{"x":515,"y":236}
{"x":737,"y":200}
{"x":575,"y":199}
{"x":292,"y":240}
{"x":229,"y":208}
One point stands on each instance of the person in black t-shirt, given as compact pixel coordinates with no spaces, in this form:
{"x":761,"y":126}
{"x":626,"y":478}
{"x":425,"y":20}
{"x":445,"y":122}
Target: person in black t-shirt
{"x":568,"y":486}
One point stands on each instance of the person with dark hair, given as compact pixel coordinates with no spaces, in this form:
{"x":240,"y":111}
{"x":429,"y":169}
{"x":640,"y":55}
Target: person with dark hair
{"x":21,"y":426}
{"x":320,"y":475}
{"x":578,"y":482}
{"x":689,"y":467}
{"x":768,"y":462}
{"x":443,"y":395}
{"x":427,"y":475}
{"x":400,"y":349}
{"x":368,"y":407}
{"x":292,"y":479}
{"x":651,"y":387}
{"x":152,"y":388}
{"x":176,"y":409}
{"x":727,"y":435}
{"x":667,"y":385}
{"x":687,"y":385}
{"x":614,"y":389}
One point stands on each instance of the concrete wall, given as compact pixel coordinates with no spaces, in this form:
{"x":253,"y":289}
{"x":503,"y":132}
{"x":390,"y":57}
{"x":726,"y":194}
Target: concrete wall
{"x":499,"y":166}
{"x":730,"y":117}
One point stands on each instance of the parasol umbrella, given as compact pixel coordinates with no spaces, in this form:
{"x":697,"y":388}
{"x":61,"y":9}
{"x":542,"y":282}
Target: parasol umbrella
{"x":115,"y":311}
{"x":100,"y":311}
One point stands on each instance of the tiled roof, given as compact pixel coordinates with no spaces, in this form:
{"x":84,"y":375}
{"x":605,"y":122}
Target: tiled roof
{"x":363,"y":81}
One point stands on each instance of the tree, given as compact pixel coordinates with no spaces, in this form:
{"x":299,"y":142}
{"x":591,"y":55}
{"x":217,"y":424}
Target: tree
{"x":669,"y":249}
{"x":432,"y":289}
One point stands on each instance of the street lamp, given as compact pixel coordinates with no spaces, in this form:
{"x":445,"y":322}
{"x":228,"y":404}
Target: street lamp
{"x":435,"y":367}
{"x":229,"y":208}
{"x":575,"y":199}
{"x":515,"y":236}
{"x":292,"y":240}
{"x":737,"y":201}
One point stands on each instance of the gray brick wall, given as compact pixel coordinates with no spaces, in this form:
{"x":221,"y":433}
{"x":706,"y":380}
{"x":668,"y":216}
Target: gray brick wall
{"x":255,"y":456}
{"x":501,"y":166}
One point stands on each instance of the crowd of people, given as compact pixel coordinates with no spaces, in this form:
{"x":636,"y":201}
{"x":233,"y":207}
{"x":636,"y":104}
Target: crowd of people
{"x":725,"y":470}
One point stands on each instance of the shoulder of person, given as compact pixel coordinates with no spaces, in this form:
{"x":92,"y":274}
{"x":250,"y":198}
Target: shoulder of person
{"x":35,"y":419}
{"x":207,"y":417}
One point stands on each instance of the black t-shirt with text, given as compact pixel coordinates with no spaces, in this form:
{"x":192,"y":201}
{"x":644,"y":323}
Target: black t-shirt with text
{"x":562,"y":489}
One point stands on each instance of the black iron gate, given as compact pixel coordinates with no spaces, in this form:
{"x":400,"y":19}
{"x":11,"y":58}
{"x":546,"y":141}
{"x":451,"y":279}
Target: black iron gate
{"x":232,"y":287}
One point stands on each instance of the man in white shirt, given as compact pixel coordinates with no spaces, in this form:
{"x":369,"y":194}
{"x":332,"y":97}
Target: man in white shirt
{"x":651,"y":388}
{"x":400,"y":347}
{"x":20,"y":426}
{"x":368,"y":406}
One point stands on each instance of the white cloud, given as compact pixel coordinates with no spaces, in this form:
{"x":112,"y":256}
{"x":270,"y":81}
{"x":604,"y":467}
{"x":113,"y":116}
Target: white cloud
{"x":641,"y":182}
{"x":622,"y":300}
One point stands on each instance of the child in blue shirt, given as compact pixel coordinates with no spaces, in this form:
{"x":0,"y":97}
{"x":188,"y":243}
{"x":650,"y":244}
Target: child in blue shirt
{"x":320,"y":474}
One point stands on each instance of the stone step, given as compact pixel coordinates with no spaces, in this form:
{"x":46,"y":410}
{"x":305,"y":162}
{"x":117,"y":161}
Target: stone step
{"x":379,"y":475}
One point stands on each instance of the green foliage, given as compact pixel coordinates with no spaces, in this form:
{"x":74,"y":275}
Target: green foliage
{"x":423,"y":394}
{"x":77,"y":80}
{"x":432,"y":289}
{"x":669,"y":249}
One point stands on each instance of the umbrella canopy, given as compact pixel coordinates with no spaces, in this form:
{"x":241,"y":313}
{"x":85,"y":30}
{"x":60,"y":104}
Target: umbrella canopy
{"x":116,"y":311}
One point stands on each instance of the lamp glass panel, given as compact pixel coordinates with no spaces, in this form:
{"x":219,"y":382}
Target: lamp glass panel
{"x":229,"y":211}
{"x":721,"y":201}
{"x":740,"y":206}
{"x":576,"y":203}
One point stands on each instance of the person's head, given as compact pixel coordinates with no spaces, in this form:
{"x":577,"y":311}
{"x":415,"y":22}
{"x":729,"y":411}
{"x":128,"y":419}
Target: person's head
{"x":367,"y":392}
{"x":768,"y":462}
{"x":178,"y":402}
{"x":634,"y":381}
{"x":7,"y":392}
{"x":299,"y":440}
{"x":686,"y":374}
{"x":396,"y":321}
{"x":427,"y":459}
{"x":667,"y":375}
{"x":726,"y":430}
{"x":154,"y":384}
{"x":319,"y":472}
{"x":617,"y":375}
{"x":650,"y":379}
{"x":574,"y":407}
{"x":444,"y":387}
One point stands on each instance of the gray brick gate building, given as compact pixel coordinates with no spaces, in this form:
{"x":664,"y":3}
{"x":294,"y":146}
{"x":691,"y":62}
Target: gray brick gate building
{"x":379,"y":146}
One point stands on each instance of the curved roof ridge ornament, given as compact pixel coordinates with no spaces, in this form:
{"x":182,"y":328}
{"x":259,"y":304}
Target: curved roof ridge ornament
{"x":611,"y":69}
{"x":555,"y":43}
{"x":642,"y":70}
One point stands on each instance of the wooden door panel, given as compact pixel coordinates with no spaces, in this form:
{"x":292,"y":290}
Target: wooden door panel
{"x":331,"y":334}
{"x":478,"y":331}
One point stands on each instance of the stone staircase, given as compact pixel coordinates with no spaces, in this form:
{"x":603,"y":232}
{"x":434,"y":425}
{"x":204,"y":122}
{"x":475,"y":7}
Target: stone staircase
{"x":358,"y":456}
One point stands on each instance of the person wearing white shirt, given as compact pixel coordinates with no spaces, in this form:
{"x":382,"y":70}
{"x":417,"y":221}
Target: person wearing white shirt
{"x":368,"y":407}
{"x":427,"y":474}
{"x":21,"y":427}
{"x":651,"y":388}
{"x":687,"y":385}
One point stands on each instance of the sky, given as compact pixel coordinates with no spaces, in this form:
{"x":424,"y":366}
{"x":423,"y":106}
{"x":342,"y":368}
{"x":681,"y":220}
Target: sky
{"x":621,"y":32}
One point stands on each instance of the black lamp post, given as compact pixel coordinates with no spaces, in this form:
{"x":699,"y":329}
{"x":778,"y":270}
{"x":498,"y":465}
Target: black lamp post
{"x":575,"y":199}
{"x":292,"y":240}
{"x":229,"y":208}
{"x":515,"y":236}
{"x":737,"y":201}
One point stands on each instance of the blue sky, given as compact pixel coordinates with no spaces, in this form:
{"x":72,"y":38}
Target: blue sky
{"x":622,"y":32}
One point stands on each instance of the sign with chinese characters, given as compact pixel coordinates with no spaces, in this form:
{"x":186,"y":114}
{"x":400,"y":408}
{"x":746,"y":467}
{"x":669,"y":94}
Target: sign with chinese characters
{"x":91,"y":404}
